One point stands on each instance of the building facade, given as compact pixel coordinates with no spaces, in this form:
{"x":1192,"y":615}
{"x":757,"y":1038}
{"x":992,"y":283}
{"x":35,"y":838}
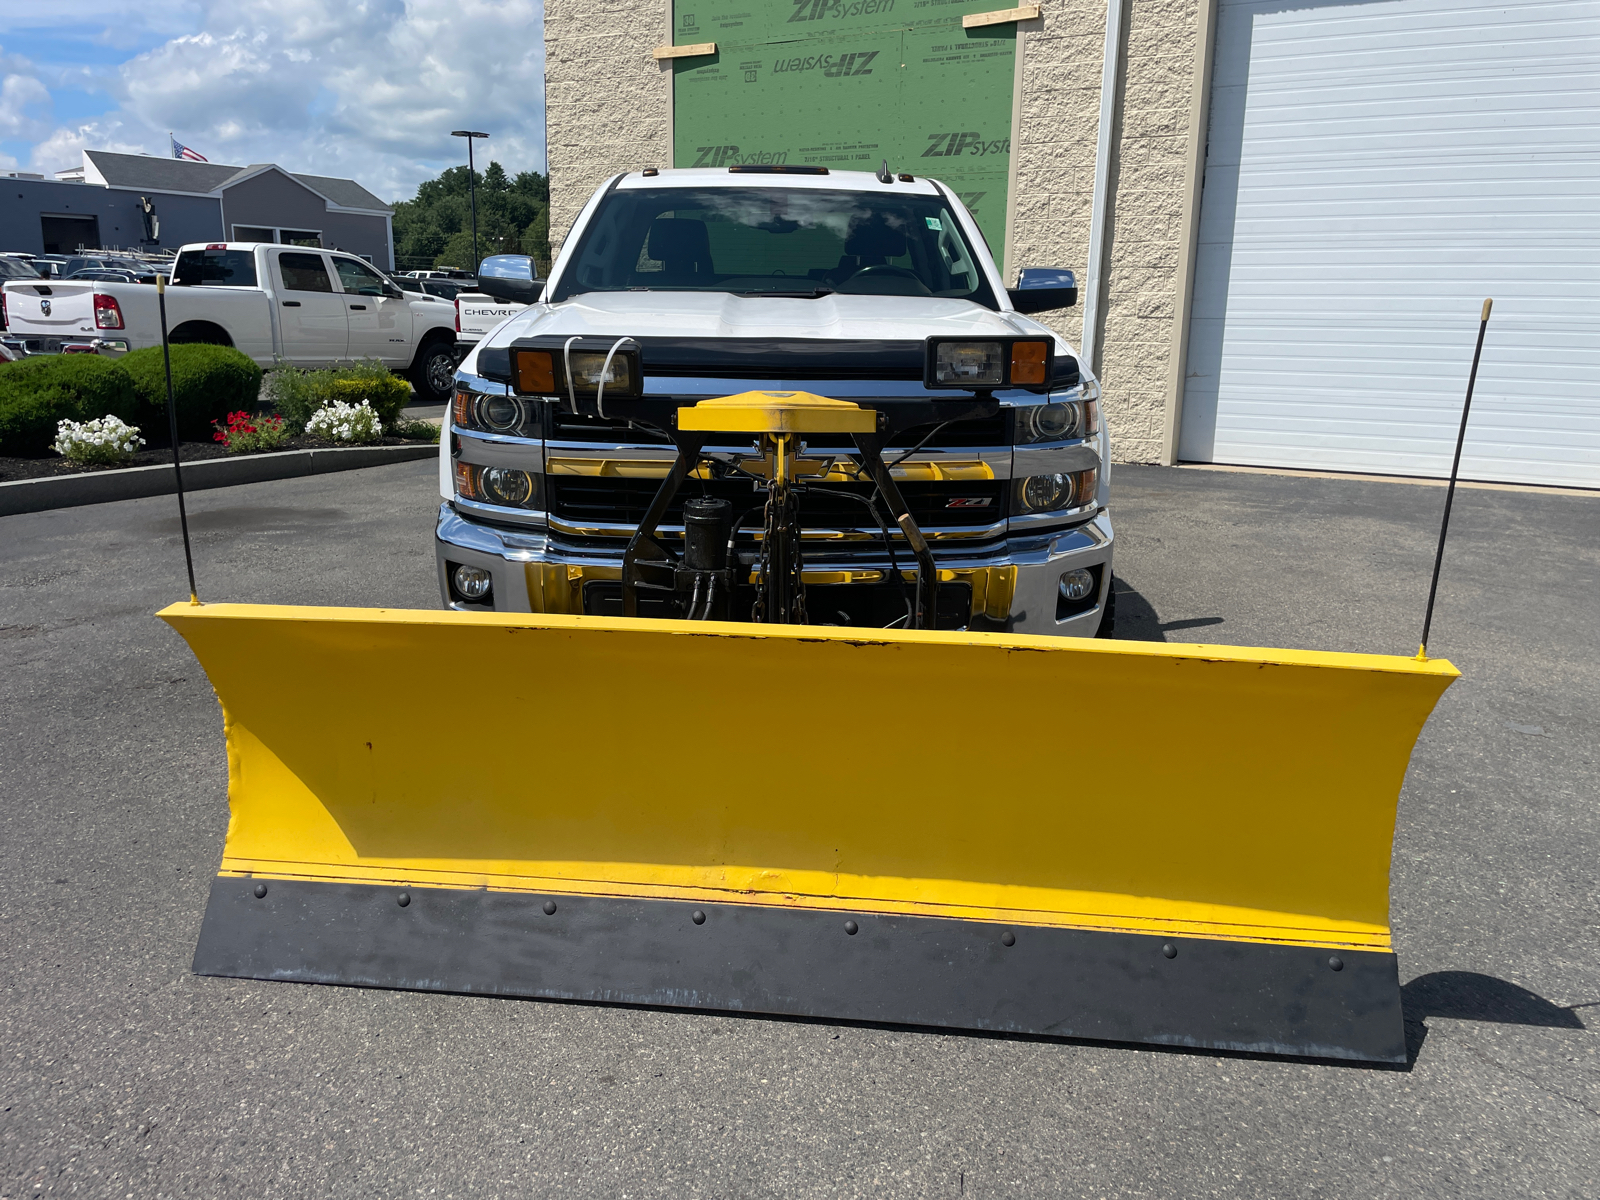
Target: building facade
{"x":1284,"y":216}
{"x":101,"y":205}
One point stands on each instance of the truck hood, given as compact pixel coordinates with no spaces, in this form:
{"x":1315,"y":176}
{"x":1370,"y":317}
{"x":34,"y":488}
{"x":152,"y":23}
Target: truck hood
{"x":723,"y":315}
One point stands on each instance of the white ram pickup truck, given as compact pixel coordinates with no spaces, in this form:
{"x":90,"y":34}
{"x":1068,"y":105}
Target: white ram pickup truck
{"x":279,"y":304}
{"x":988,"y":474}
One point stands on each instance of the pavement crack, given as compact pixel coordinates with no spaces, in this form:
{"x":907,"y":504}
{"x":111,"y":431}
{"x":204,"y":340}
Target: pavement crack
{"x":1509,"y":1070}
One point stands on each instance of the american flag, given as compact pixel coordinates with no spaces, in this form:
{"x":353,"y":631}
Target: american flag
{"x":179,"y":150}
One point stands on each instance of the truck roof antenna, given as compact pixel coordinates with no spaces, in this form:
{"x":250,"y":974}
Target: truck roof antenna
{"x":883,"y":173}
{"x":1450,"y":492}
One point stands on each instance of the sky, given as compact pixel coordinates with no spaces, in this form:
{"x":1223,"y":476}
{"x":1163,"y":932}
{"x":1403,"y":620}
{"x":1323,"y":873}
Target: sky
{"x":365,"y":89}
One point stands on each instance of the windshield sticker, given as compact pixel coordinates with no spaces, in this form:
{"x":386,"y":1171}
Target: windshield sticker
{"x":935,"y":224}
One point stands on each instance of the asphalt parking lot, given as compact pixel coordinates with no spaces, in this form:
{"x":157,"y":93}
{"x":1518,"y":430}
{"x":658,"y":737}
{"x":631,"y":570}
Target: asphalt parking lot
{"x":122,"y":1075}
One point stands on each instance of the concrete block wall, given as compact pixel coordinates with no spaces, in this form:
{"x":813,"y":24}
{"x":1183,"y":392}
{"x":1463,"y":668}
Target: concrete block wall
{"x":1062,"y":68}
{"x":607,"y":102}
{"x":608,"y":110}
{"x":1151,"y":188}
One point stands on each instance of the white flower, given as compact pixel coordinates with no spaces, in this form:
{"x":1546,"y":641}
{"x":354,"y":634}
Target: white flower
{"x":103,"y":440}
{"x":341,"y":422}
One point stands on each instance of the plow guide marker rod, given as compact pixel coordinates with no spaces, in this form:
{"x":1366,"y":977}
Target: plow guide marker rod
{"x":1215,"y":873}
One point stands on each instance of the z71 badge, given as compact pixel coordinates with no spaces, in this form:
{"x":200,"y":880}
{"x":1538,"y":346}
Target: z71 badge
{"x":970,"y":502}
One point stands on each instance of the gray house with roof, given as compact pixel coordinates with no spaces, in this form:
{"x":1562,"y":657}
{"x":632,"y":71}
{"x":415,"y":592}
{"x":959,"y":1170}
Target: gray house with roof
{"x":102,"y":205}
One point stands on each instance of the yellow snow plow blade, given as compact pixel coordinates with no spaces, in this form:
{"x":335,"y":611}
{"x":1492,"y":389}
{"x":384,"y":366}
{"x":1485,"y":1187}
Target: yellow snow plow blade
{"x":1120,"y":840}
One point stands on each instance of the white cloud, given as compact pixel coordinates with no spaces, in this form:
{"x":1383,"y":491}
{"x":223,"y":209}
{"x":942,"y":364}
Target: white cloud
{"x":368,"y":89}
{"x":25,"y":108}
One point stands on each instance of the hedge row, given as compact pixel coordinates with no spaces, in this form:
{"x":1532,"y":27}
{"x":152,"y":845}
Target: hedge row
{"x":208,"y":383}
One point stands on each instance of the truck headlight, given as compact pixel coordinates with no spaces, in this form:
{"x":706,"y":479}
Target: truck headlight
{"x":1020,"y":362}
{"x":540,"y":366}
{"x":1044,"y":493}
{"x":1049,"y":423}
{"x":1054,"y":493}
{"x":495,"y":413}
{"x":590,"y":369}
{"x":505,"y":485}
{"x":974,"y":364}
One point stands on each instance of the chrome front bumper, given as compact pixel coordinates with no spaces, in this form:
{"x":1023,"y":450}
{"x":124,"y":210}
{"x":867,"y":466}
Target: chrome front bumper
{"x":1015,"y":581}
{"x":26,"y":345}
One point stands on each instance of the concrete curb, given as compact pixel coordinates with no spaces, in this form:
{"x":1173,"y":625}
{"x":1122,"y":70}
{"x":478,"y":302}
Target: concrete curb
{"x":131,"y":483}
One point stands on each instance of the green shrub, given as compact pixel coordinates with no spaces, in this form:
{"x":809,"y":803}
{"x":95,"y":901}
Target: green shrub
{"x":417,"y":431}
{"x":298,"y":393}
{"x":376,"y":384}
{"x":208,"y":382}
{"x":295,"y":393}
{"x":38,"y":393}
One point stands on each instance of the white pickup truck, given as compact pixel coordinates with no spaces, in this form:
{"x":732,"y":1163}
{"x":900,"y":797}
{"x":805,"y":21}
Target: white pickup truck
{"x":279,"y":304}
{"x":986,"y":510}
{"x":507,"y":284}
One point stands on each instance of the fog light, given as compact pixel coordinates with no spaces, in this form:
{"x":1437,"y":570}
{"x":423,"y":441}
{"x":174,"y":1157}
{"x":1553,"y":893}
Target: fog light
{"x":1077,"y":584}
{"x":473,"y":583}
{"x":506,"y":485}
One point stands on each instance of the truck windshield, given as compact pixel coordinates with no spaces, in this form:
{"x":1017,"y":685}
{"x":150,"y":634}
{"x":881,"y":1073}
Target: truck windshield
{"x":232,"y":268}
{"x":775,"y":242}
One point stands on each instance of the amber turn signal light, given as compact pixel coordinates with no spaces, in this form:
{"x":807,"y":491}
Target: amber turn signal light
{"x":535,"y":371}
{"x":1029,"y":362}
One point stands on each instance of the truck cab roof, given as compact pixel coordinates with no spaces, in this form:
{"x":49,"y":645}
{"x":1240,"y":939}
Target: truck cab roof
{"x":773,"y":177}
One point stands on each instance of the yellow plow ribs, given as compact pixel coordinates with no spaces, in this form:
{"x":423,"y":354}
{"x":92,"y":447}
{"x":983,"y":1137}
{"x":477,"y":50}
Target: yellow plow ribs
{"x":1131,"y":841}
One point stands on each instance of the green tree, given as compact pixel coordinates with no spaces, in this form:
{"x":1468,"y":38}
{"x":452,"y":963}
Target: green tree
{"x":435,"y":228}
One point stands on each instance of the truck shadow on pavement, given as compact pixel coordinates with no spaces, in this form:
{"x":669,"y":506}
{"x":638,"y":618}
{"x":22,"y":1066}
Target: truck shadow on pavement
{"x":1469,"y":996}
{"x":1137,"y":620}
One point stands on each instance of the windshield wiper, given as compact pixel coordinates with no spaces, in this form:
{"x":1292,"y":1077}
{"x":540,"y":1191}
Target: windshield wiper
{"x":815,"y":293}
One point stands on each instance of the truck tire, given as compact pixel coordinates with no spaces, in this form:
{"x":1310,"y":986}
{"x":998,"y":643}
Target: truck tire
{"x":199,"y":333}
{"x":433,"y":372}
{"x":1108,"y":617}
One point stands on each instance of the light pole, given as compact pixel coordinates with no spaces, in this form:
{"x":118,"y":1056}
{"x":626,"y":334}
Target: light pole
{"x":472,"y":189}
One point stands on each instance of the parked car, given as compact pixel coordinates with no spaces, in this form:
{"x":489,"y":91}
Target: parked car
{"x":16,"y":268}
{"x":292,"y":304}
{"x":115,"y":276}
{"x":445,"y":289}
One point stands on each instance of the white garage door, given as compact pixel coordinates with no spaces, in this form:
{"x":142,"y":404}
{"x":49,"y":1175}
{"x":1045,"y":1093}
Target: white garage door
{"x":1373,"y":172}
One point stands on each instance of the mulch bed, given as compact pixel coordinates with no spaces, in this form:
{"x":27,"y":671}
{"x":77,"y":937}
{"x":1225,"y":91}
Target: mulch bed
{"x":53,"y":464}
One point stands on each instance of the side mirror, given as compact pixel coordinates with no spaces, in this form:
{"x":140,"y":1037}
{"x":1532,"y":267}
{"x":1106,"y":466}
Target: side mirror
{"x":509,"y":277}
{"x":393,"y":292}
{"x":1039,"y":289}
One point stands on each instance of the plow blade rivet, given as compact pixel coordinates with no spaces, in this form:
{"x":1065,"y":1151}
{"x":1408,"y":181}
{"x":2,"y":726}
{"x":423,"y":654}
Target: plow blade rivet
{"x":1170,"y":950}
{"x":699,"y":917}
{"x":549,"y":908}
{"x":851,"y":928}
{"x":1008,"y":938}
{"x":403,"y":899}
{"x":1336,"y":963}
{"x":261,"y":890}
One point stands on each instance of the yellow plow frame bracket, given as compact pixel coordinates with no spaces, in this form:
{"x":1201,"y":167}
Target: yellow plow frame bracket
{"x":1184,"y":845}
